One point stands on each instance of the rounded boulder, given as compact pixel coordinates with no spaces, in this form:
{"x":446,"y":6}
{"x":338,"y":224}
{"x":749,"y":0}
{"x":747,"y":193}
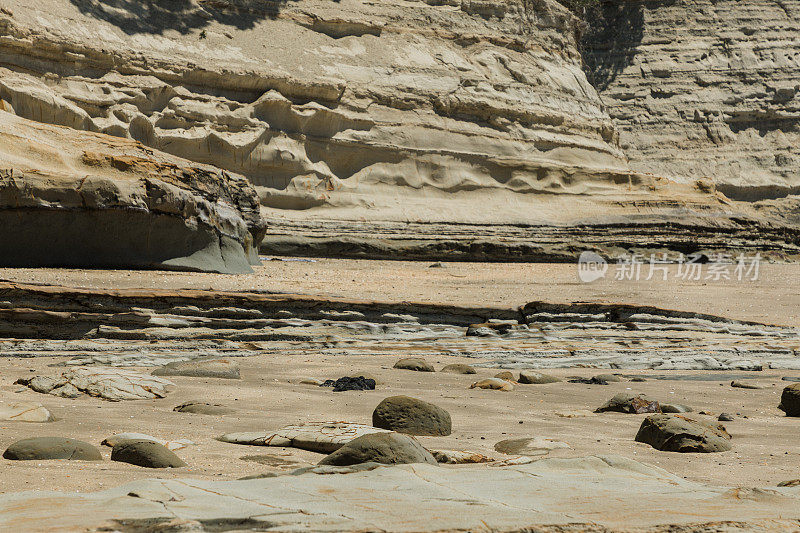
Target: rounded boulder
{"x":41,"y":448}
{"x":383,"y":448}
{"x":145,"y":453}
{"x":412,"y":416}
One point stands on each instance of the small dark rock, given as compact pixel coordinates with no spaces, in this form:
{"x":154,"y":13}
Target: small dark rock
{"x":628,"y":403}
{"x":350,"y":383}
{"x":725,"y":417}
{"x":790,"y":400}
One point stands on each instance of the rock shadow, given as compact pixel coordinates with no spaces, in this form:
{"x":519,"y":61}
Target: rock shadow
{"x":184,"y":16}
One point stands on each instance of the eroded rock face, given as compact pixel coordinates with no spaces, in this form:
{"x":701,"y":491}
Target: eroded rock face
{"x":676,"y":433}
{"x":107,"y":383}
{"x":72,"y":198}
{"x":712,"y":80}
{"x":469,"y":111}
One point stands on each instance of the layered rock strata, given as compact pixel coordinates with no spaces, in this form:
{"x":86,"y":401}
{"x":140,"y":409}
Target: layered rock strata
{"x":703,"y":88}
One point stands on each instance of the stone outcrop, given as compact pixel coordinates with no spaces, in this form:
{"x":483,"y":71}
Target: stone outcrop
{"x":703,"y":89}
{"x":74,"y":198}
{"x":350,"y":118}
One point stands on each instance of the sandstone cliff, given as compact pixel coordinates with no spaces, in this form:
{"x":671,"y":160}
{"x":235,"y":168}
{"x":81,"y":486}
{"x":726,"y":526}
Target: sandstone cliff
{"x":471,"y":119}
{"x":70,"y":198}
{"x":704,"y":88}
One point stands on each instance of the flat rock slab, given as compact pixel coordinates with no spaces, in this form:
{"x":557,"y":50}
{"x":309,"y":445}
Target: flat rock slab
{"x":321,"y":437}
{"x":108,"y":383}
{"x":25,"y":412}
{"x":529,"y":446}
{"x":457,"y":457}
{"x":604,"y":492}
{"x":213,"y":368}
{"x":43,"y":448}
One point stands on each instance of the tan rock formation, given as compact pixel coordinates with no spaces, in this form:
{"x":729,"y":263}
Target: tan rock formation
{"x":71,"y":198}
{"x":704,"y":88}
{"x":350,"y":117}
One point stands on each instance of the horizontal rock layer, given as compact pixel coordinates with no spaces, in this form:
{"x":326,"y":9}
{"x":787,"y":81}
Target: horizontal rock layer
{"x":703,"y":88}
{"x":71,"y":198}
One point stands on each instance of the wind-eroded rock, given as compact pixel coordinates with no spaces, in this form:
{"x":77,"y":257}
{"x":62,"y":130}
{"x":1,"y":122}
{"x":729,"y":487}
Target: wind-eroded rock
{"x":77,"y":199}
{"x":108,"y":383}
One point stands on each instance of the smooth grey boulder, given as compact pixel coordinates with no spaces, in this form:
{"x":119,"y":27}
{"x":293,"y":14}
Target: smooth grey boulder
{"x":675,"y":433}
{"x":790,"y":400}
{"x":203,"y":408}
{"x":384,"y":448}
{"x":530,"y":377}
{"x":200,"y":368}
{"x":630,"y":404}
{"x":458,"y":368}
{"x":41,"y":448}
{"x":145,"y":453}
{"x":412,"y":416}
{"x":414,"y":363}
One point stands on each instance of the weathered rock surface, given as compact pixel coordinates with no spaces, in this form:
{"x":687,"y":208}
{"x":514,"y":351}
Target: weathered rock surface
{"x":676,"y":433}
{"x":25,"y":412}
{"x":146,"y":453}
{"x":630,"y":403}
{"x":42,"y":448}
{"x":412,"y":416}
{"x":469,"y":112}
{"x":711,"y":80}
{"x":322,"y":437}
{"x":790,"y":400}
{"x":549,"y":493}
{"x":385,"y":448}
{"x":200,"y":368}
{"x":132,"y":207}
{"x":107,"y":383}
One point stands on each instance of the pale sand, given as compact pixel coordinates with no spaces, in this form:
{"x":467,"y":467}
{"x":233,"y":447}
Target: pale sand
{"x":773,"y":298}
{"x":765,"y":448}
